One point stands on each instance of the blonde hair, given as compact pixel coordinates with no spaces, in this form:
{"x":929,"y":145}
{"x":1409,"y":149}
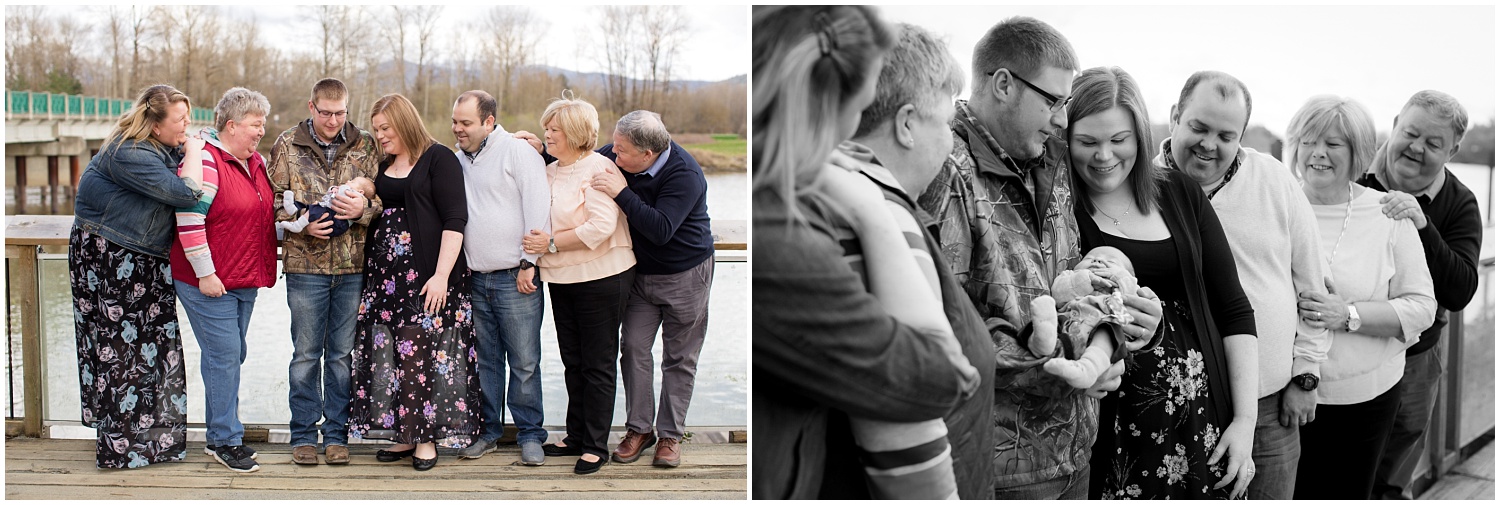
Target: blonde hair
{"x":576,"y":118}
{"x":149,"y":110}
{"x":809,"y":60}
{"x":406,"y":122}
{"x":1324,"y":113}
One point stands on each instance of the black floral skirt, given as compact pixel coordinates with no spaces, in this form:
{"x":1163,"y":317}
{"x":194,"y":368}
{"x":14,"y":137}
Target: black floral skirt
{"x":130,"y":362}
{"x":1159,"y":429}
{"x":414,"y":372}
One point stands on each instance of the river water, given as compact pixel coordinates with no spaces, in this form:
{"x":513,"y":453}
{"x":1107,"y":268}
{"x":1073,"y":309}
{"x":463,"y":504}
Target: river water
{"x":719,"y":398}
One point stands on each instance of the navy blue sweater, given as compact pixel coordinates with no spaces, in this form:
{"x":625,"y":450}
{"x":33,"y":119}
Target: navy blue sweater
{"x":668,"y":214}
{"x":1451,"y":239}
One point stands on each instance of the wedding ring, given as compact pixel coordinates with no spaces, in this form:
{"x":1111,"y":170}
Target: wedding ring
{"x":1318,"y":316}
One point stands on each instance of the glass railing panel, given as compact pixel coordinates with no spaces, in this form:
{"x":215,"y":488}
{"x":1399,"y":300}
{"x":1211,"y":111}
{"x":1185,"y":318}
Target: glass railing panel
{"x":1478,"y":381}
{"x":719,"y":398}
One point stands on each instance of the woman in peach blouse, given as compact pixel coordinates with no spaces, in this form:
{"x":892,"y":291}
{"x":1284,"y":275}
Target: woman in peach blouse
{"x":588,"y":266}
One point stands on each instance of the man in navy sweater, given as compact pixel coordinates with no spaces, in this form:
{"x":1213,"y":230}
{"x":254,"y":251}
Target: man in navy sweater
{"x":664,"y":196}
{"x":1412,"y":169}
{"x":665,"y":199}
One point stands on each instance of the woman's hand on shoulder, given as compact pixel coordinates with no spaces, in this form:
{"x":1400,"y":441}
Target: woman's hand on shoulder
{"x":194,"y":143}
{"x":860,"y":199}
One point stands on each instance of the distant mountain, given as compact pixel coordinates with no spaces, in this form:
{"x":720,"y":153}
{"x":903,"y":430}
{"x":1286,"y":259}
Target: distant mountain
{"x":597,"y":78}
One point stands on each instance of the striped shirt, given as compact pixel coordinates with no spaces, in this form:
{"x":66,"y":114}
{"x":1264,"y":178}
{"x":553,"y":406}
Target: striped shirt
{"x":191,"y":229}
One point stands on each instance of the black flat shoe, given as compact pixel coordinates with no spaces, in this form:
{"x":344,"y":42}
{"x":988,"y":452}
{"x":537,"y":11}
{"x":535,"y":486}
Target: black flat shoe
{"x":584,"y":467}
{"x":385,"y":456}
{"x":555,"y":450}
{"x":422,"y":465}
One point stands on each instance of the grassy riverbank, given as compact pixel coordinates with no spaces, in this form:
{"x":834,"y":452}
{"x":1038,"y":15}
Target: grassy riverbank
{"x":716,"y":152}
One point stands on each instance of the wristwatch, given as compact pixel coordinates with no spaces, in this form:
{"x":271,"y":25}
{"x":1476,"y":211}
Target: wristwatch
{"x":1307,"y":381}
{"x":526,"y":265}
{"x":1354,"y":321}
{"x":551,"y":245}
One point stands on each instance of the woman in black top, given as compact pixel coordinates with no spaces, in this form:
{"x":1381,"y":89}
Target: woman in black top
{"x":414,"y":358}
{"x":1167,"y":431}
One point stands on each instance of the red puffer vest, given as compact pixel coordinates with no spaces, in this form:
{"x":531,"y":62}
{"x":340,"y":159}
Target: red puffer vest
{"x":240,"y":226}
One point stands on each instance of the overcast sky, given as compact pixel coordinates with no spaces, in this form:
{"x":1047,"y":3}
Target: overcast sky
{"x":718,"y":47}
{"x":1378,"y":55}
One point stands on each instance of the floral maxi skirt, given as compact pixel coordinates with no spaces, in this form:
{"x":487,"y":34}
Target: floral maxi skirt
{"x":414,"y":372}
{"x":130,"y":361}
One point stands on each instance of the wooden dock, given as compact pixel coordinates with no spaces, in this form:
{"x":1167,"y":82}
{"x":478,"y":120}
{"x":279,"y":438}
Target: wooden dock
{"x":64,"y":469}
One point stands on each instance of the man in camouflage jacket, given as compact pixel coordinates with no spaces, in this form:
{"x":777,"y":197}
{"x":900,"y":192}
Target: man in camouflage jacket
{"x":1006,"y":228}
{"x":324,"y":274}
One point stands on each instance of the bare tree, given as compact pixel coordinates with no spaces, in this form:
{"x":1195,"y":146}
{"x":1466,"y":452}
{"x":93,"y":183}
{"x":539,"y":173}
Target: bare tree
{"x":514,"y":33}
{"x":426,"y":24}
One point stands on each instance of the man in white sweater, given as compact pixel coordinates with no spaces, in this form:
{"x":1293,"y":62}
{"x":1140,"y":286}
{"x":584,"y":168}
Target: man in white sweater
{"x":505,"y":182}
{"x":1273,"y":235}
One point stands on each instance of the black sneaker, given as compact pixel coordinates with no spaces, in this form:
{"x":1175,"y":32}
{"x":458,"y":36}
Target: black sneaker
{"x":236,"y":458}
{"x":209,"y":450}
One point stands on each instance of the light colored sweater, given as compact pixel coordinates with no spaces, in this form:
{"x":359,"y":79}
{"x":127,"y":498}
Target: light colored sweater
{"x":506,"y":186}
{"x":1378,"y":260}
{"x":1273,"y":235}
{"x":594,"y":217}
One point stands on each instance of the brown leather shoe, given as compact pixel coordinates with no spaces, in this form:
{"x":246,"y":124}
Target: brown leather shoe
{"x":631,"y":446}
{"x":336,"y":455}
{"x":308,"y":455}
{"x":667,"y":454}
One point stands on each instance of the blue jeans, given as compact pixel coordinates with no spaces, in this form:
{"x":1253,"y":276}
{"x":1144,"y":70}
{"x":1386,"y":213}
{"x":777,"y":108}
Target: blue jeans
{"x":508,"y":331}
{"x":324,"y":309}
{"x":220,"y":325}
{"x":1275,"y":451}
{"x":1073,"y":486}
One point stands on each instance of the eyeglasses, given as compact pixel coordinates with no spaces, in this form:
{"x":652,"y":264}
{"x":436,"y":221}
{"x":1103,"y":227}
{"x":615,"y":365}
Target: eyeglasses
{"x":327,"y":115}
{"x":1054,"y":102}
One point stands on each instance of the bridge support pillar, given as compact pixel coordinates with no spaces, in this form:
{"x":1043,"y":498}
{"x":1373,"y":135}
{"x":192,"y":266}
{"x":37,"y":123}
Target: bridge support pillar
{"x":20,"y":188}
{"x":73,"y":175}
{"x":52,"y":184}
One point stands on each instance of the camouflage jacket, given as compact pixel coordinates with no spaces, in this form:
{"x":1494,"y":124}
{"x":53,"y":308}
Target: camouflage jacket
{"x":1005,"y":243}
{"x":297,"y":163}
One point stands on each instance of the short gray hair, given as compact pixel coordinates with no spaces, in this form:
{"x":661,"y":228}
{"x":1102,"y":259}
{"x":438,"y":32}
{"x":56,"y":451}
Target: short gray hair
{"x":645,"y":129}
{"x":237,"y":103}
{"x":920,"y":63}
{"x":1442,"y":105}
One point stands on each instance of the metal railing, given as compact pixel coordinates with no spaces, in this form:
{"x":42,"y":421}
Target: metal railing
{"x":54,"y":106}
{"x":1447,"y":445}
{"x":26,"y":235}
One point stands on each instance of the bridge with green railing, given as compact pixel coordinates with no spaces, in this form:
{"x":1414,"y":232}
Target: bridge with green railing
{"x":62,"y":131}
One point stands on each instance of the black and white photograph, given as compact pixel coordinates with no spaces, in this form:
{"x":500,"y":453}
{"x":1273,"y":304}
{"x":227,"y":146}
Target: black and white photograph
{"x":1122,"y":252}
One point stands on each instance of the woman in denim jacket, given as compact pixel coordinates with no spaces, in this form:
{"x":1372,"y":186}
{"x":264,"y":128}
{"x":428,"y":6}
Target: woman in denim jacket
{"x":130,"y":360}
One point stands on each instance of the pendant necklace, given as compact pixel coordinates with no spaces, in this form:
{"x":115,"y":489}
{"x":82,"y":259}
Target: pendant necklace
{"x":1116,"y":222}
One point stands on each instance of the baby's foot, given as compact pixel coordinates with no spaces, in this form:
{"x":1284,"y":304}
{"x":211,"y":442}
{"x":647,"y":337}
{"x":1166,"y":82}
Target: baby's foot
{"x":1043,"y":341}
{"x":289,"y":202}
{"x":1077,"y":373}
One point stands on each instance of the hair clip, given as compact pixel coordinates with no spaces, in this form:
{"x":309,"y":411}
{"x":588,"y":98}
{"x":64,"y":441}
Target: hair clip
{"x":827,"y":35}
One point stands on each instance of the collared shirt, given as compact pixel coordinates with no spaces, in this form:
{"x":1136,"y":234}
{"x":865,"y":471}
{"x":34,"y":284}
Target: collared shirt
{"x":330,"y":149}
{"x":661,"y":161}
{"x":1432,"y":189}
{"x":482,"y":143}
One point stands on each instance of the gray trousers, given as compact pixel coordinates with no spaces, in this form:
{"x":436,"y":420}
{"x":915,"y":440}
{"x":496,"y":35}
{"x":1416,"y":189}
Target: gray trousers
{"x":678,"y":305}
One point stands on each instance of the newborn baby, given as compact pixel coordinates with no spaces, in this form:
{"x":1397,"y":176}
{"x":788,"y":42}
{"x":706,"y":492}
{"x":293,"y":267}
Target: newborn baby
{"x":322,"y":207}
{"x":1083,"y":299}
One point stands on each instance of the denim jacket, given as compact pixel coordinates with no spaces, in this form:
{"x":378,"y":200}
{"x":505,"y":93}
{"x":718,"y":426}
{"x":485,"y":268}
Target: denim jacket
{"x":128,"y":194}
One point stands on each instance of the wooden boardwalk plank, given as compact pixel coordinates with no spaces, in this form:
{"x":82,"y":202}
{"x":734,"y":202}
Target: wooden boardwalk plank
{"x":44,"y":468}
